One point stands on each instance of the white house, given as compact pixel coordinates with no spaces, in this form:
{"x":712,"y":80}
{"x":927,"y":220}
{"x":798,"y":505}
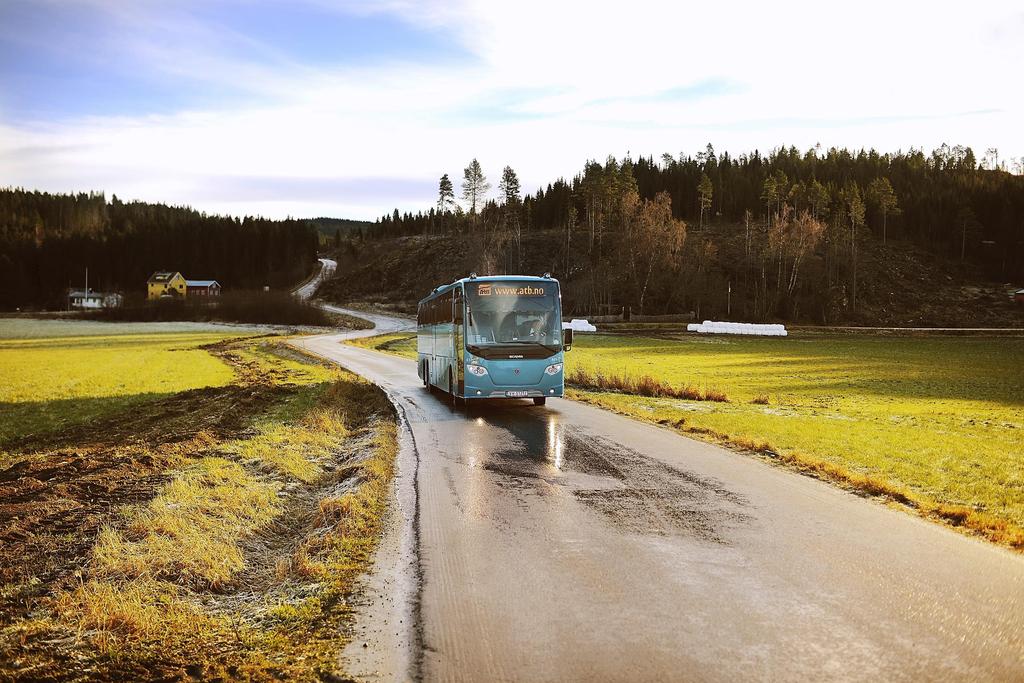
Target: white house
{"x":91,"y":299}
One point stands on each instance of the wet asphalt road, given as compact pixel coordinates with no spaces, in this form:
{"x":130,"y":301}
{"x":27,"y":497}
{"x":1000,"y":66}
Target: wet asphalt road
{"x":567,"y":543}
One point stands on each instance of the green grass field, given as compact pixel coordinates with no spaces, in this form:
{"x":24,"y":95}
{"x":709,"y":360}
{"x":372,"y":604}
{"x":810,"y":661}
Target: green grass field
{"x":940,"y":419}
{"x":56,"y":374}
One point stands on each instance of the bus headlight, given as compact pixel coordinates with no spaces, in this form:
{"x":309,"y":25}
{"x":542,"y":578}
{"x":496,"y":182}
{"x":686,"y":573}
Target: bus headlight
{"x":477,"y":370}
{"x":553,"y":369}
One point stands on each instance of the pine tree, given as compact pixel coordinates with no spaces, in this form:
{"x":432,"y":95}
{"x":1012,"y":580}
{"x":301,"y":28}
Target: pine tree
{"x":818,"y":198}
{"x":855,"y":213}
{"x":881,"y":195}
{"x":474,"y":185}
{"x":769,"y":194}
{"x":968,"y":223}
{"x":446,"y":195}
{"x":508,"y":186}
{"x":705,"y":190}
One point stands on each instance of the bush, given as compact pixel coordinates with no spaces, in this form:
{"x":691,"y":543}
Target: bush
{"x":254,"y":307}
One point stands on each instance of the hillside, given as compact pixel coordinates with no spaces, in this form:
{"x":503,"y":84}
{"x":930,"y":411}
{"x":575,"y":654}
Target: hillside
{"x":836,"y":236}
{"x":900,"y":284}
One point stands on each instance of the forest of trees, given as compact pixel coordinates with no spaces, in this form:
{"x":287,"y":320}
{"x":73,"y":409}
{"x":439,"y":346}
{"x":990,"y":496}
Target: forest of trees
{"x":48,"y":240}
{"x":333,"y":230}
{"x":797,"y":235}
{"x":803,"y":218}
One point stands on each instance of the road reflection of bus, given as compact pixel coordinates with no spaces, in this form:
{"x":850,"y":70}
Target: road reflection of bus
{"x":493,"y":337}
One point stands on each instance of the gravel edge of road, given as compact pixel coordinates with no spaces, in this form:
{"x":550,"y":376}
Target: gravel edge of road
{"x":387,"y":635}
{"x":386,"y":639}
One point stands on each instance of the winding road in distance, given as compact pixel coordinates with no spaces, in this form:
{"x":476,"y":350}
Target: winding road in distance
{"x":568,"y":543}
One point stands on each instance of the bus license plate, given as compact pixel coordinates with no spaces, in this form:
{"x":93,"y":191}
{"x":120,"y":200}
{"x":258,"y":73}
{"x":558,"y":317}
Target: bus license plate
{"x":517,"y":394}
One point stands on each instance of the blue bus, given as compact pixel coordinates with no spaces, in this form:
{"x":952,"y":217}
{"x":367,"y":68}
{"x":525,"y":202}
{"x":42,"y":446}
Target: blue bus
{"x":493,"y":337}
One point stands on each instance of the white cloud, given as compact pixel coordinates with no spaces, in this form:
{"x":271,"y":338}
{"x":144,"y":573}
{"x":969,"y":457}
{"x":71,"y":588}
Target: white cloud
{"x":551,"y":85}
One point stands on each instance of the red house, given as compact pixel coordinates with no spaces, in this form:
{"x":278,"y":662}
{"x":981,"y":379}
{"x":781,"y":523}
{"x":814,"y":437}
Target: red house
{"x":202,"y":288}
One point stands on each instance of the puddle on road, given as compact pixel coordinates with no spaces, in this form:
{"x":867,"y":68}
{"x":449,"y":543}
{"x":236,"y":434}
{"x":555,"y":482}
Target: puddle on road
{"x":631,"y":491}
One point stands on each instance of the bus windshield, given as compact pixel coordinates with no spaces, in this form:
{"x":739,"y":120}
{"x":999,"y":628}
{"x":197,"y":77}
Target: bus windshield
{"x":513,"y":313}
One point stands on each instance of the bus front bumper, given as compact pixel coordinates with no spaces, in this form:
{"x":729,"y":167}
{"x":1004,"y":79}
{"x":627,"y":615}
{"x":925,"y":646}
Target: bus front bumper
{"x":512,"y":392}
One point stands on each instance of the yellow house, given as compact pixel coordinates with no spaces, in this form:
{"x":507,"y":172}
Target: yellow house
{"x":166,"y":283}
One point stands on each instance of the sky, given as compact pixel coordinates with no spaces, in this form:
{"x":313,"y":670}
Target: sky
{"x":351,"y":108}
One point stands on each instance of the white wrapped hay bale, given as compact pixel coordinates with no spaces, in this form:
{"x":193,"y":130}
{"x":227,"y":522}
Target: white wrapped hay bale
{"x":750,"y":329}
{"x":579,"y":325}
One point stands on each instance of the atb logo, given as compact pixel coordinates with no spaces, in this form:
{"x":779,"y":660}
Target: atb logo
{"x":483,"y":290}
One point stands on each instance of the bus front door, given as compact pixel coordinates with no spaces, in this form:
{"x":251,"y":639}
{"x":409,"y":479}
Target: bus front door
{"x":458,"y":340}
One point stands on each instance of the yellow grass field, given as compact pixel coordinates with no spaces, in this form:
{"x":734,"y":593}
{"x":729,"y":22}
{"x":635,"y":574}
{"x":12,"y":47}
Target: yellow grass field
{"x":78,"y":373}
{"x":204,"y":515}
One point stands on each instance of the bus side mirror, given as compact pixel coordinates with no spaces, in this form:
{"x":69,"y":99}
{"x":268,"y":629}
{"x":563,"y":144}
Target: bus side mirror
{"x":567,"y":339}
{"x":457,"y":305}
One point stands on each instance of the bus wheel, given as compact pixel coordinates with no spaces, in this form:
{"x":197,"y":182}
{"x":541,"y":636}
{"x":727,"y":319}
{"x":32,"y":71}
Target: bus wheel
{"x":426,"y":377}
{"x":451,"y":389}
{"x":540,"y":400}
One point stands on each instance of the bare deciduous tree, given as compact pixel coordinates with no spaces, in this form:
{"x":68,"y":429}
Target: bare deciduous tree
{"x":657,"y":239}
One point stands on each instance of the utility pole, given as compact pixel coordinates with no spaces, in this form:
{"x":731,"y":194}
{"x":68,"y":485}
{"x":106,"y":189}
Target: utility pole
{"x":728,"y":301}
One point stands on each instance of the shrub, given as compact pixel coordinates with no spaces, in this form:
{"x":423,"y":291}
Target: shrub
{"x":246,"y":306}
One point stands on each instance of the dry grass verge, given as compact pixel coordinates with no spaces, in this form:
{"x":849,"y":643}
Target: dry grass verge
{"x":190,"y":533}
{"x":123,"y":618}
{"x":640,"y":385}
{"x":293,"y":450}
{"x":341,"y":537}
{"x":401,"y":344}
